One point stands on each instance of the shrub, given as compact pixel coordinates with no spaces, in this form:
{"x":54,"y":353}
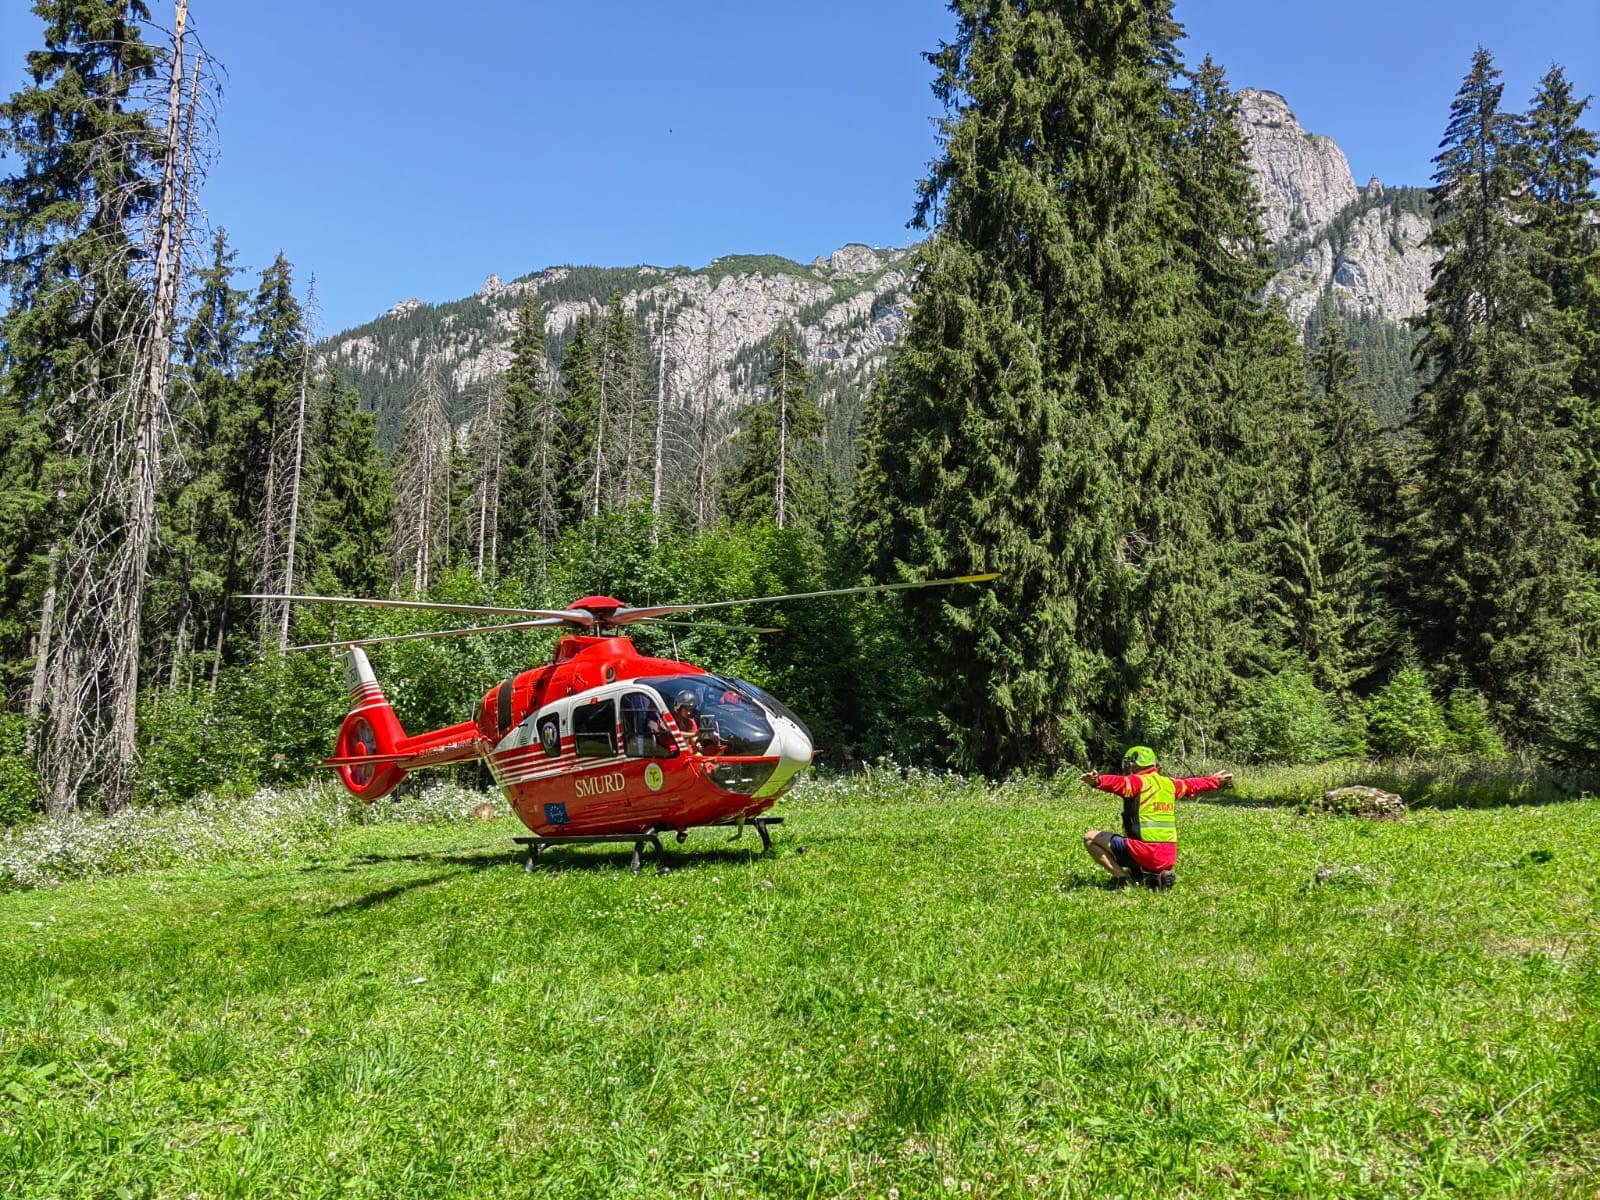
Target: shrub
{"x":1284,"y":718}
{"x":1404,"y":718}
{"x":1570,"y":711}
{"x":267,"y":825}
{"x":1471,"y":731}
{"x":18,"y":788}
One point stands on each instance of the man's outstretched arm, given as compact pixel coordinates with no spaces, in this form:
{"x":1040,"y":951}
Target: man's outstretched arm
{"x":1195,"y":784}
{"x":1117,"y":785}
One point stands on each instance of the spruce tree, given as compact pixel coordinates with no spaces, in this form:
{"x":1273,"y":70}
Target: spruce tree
{"x":1495,"y":548}
{"x":583,"y":416}
{"x":778,"y":474}
{"x":1558,"y":161}
{"x":70,"y":217}
{"x":200,"y":520}
{"x":529,"y":509}
{"x":1328,"y":590}
{"x":1061,"y":409}
{"x":354,"y":505}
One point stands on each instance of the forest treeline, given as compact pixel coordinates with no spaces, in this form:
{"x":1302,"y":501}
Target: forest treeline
{"x":1206,"y":537}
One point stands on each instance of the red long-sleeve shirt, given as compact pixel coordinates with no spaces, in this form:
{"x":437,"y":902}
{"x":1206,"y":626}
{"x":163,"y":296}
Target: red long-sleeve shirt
{"x":1151,"y":856}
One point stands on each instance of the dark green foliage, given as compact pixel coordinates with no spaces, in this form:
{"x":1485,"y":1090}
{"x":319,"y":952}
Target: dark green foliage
{"x":1404,"y":717}
{"x":530,"y":516}
{"x":1387,"y":372}
{"x":1327,"y":599}
{"x":19,"y":789}
{"x":1496,"y":548}
{"x":778,"y":472}
{"x":1285,"y":718}
{"x":1558,"y":164}
{"x":1570,"y":710}
{"x":354,"y":505}
{"x":581,"y":428}
{"x":1079,"y":402}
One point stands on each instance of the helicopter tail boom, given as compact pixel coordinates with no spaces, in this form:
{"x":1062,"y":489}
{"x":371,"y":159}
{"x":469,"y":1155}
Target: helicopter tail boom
{"x":374,"y":753}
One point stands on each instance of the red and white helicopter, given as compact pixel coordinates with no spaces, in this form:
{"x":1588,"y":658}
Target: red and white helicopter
{"x":601,"y":744}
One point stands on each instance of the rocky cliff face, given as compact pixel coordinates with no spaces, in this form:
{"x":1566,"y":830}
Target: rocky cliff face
{"x":1304,"y":180}
{"x":714,"y":322}
{"x":1359,"y":249}
{"x":1354,"y":250}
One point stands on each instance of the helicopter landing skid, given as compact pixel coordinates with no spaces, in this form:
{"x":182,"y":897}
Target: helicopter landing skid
{"x":760,"y":824}
{"x":538,"y":845}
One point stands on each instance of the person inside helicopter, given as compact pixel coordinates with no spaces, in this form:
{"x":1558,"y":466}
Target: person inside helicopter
{"x":701,"y":739}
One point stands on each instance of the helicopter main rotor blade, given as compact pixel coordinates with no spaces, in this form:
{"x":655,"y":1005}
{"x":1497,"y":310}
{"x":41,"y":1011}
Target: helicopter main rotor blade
{"x":542,"y":623}
{"x":716,"y":626}
{"x":572,"y":615}
{"x":624,"y":616}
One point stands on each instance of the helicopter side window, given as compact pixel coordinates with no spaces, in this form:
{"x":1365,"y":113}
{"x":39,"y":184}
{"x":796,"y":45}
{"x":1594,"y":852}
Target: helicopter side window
{"x":644,"y":730}
{"x":594,"y":729}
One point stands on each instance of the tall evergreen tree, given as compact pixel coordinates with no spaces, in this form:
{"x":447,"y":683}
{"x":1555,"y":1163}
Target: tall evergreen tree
{"x":1328,"y":593}
{"x":530,"y":512}
{"x":197,"y":515}
{"x":1060,"y":408}
{"x":354,"y":505}
{"x":779,"y":471}
{"x":69,"y":220}
{"x":1494,"y":536}
{"x":582,"y":425}
{"x":1559,"y":167}
{"x":260,"y":434}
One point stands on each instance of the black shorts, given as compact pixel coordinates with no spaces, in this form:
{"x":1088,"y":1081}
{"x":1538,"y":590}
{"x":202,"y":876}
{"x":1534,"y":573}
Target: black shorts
{"x":1120,"y":852}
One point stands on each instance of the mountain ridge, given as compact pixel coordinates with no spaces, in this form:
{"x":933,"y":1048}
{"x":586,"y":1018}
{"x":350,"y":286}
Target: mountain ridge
{"x":1339,"y":251}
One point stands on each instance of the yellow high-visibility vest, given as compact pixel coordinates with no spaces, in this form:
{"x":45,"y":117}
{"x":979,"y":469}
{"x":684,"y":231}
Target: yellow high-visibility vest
{"x":1158,"y":809}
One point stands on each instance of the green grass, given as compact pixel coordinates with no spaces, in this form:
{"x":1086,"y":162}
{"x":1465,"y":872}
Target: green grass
{"x":937,"y":996}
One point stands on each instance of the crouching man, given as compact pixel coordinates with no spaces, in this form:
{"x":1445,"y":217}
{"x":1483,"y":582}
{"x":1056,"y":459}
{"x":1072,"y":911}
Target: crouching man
{"x":1147,"y":849}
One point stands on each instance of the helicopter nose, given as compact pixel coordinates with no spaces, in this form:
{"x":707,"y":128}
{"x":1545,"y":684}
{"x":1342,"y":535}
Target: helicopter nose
{"x":793,"y":748}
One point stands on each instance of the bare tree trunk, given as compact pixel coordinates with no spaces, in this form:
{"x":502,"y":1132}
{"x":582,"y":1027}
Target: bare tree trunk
{"x":661,"y":428}
{"x":486,"y":454}
{"x":783,"y":428}
{"x":600,"y":418}
{"x":296,"y":469}
{"x":43,"y":647}
{"x":149,"y":419}
{"x":702,"y":477}
{"x":422,"y":479}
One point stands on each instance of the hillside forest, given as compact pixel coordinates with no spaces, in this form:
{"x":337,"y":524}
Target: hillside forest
{"x":1211,"y":535}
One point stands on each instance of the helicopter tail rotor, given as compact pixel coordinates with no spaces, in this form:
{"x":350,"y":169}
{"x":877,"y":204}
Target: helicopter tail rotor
{"x":374,"y":753}
{"x":367,"y":756}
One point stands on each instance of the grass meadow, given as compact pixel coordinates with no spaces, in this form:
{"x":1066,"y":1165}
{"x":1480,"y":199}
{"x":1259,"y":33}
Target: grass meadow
{"x":926,"y":990}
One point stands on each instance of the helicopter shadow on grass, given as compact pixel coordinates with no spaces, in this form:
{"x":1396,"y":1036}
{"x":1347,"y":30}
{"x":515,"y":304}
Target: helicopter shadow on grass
{"x":561,"y":859}
{"x":556,"y":861}
{"x":466,"y":864}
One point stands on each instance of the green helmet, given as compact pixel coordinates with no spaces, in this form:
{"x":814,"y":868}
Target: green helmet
{"x":1141,"y":757}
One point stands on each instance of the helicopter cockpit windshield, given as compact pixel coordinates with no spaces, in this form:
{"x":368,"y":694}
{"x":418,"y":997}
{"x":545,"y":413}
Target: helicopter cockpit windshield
{"x":726,"y":720}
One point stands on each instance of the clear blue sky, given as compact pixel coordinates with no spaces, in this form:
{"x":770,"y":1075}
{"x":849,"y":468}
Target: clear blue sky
{"x":403,"y":147}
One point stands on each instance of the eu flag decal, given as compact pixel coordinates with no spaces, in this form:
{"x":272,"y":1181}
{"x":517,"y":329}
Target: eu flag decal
{"x":556,"y":814}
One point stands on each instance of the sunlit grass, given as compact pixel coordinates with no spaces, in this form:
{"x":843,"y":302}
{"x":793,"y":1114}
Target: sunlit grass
{"x":937,"y":996}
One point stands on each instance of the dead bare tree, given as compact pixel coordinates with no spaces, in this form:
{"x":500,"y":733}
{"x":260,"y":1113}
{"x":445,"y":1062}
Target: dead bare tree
{"x":91,"y":653}
{"x":661,"y":429}
{"x":486,"y":466}
{"x":422,"y":484}
{"x":286,"y":471}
